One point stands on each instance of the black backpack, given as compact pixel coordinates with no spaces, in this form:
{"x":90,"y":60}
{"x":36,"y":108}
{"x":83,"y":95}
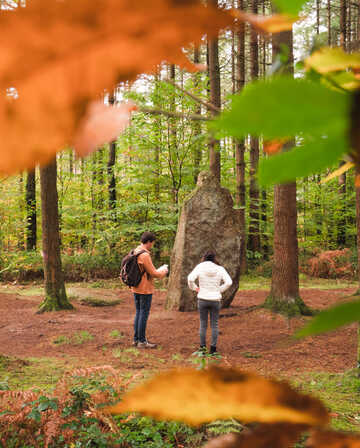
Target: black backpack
{"x":130,"y":272}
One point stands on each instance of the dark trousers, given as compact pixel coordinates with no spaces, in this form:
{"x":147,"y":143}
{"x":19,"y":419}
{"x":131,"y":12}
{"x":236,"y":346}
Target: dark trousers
{"x":206,"y":307}
{"x":142,"y":306}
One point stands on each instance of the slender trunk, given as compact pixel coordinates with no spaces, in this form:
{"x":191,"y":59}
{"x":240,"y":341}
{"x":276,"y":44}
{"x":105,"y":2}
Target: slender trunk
{"x":317,"y":17}
{"x":254,"y":245}
{"x":31,"y":211}
{"x":55,"y":294}
{"x":197,"y":153}
{"x":215,"y":99}
{"x":111,"y":170}
{"x":343,"y":24}
{"x":329,"y":21}
{"x":240,"y":144}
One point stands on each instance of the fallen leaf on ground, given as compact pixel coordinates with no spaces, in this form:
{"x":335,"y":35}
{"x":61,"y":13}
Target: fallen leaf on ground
{"x":197,"y":397}
{"x":59,"y":56}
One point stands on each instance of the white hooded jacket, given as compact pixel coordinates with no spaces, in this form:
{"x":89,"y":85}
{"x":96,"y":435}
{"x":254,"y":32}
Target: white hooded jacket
{"x":213,"y":280}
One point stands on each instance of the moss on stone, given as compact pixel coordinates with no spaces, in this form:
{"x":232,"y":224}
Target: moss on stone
{"x":289,"y":308}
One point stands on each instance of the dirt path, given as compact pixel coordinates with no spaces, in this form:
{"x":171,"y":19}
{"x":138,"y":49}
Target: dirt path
{"x":253,"y":339}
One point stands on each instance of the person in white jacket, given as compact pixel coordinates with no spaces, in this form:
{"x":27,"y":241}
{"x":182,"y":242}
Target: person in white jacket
{"x":212,"y":281}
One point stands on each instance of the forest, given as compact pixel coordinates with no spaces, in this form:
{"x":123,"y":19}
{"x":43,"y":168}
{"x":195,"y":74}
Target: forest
{"x":111,"y":113}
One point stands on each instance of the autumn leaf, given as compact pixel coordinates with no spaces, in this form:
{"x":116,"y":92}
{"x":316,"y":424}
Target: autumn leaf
{"x":332,"y":59}
{"x":197,"y":397}
{"x":267,"y":24}
{"x":59,"y":56}
{"x":100,"y":125}
{"x":332,"y":439}
{"x":274,"y":146}
{"x":274,"y":436}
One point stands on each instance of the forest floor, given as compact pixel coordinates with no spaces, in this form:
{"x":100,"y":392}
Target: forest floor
{"x":36,"y":349}
{"x":250,"y":337}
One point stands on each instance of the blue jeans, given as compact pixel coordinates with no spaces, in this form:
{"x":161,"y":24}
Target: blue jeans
{"x":211,"y":307}
{"x":142,"y":305}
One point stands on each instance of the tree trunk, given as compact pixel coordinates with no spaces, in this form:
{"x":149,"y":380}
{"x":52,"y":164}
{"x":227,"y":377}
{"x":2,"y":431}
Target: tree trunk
{"x":254,"y":245}
{"x":284,"y":295}
{"x":55,"y":294}
{"x":240,"y":145}
{"x":31,"y":211}
{"x":111,"y":171}
{"x":329,"y":21}
{"x":343,"y":24}
{"x":215,"y":99}
{"x":197,"y":153}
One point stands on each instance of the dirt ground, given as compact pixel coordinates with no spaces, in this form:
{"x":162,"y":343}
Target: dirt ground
{"x":250,"y":338}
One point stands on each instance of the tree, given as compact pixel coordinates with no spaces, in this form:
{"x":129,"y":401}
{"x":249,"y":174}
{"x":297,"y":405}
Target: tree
{"x":215,"y":99}
{"x":254,"y":221}
{"x":30,"y":199}
{"x":284,"y":295}
{"x":240,"y":197}
{"x":55,"y":294}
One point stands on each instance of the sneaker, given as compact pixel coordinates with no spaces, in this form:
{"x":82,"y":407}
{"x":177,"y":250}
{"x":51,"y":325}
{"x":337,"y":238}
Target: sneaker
{"x":213,"y":350}
{"x":146,"y":344}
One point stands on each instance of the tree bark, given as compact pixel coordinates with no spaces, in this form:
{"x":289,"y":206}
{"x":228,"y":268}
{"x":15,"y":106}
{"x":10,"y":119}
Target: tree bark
{"x":329,"y":22}
{"x":240,"y":144}
{"x":215,"y":99}
{"x":111,"y":170}
{"x":197,"y":154}
{"x":254,"y":245}
{"x":55,"y":294}
{"x":31,"y":211}
{"x":284,"y":295}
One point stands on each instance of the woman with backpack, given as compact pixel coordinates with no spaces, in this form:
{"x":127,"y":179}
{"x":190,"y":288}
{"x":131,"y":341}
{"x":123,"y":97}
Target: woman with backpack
{"x":213,"y":280}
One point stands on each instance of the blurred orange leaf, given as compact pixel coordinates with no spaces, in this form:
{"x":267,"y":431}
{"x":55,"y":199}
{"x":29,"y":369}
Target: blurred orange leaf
{"x":59,"y":56}
{"x":274,"y":436}
{"x":100,"y":125}
{"x":274,"y":146}
{"x":197,"y":397}
{"x":329,"y":59}
{"x":332,"y":439}
{"x":267,"y":24}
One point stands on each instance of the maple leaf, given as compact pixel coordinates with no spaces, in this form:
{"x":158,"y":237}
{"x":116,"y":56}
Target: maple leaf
{"x":59,"y":56}
{"x":100,"y":125}
{"x":267,"y":24}
{"x":198,"y":397}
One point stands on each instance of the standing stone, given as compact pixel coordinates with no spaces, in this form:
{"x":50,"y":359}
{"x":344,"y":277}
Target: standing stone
{"x":208,"y":221}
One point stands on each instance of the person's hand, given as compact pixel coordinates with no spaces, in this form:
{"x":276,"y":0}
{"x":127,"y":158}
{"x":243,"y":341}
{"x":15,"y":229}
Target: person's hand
{"x":197,"y":289}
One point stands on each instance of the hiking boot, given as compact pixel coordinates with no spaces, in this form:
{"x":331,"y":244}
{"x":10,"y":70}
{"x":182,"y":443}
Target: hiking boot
{"x":212,"y":349}
{"x":146,"y":344}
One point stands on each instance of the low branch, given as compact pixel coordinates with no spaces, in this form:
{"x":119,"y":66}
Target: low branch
{"x":209,"y":106}
{"x":195,"y":117}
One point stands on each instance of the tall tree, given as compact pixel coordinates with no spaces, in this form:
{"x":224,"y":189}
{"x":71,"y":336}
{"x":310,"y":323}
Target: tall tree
{"x":55,"y":294}
{"x":254,"y":221}
{"x":197,"y":153}
{"x":240,"y":144}
{"x":111,"y":168}
{"x":284,"y":295}
{"x":30,"y":198}
{"x":215,"y":98}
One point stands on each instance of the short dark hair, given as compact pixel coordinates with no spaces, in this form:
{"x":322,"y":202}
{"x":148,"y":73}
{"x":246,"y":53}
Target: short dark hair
{"x":147,"y":236}
{"x":209,"y":256}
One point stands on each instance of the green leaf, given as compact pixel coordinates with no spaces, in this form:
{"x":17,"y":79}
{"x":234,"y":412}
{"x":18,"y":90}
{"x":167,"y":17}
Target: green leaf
{"x":312,"y":157}
{"x":285,"y":107}
{"x":330,"y":319}
{"x":289,"y":6}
